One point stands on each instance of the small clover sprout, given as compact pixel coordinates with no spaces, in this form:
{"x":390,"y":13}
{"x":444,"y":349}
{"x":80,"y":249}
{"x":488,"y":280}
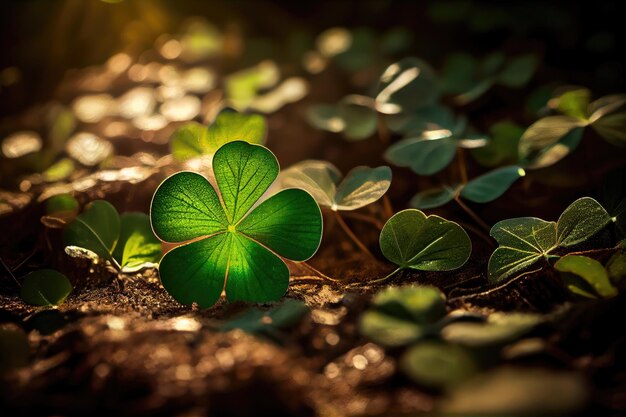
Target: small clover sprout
{"x":236,"y":245}
{"x":127,"y":241}
{"x":362,"y":185}
{"x":412,"y":240}
{"x":45,"y":287}
{"x":551,"y":138}
{"x":194,"y":140}
{"x":524,"y":241}
{"x":585,"y":277}
{"x":483,"y":189}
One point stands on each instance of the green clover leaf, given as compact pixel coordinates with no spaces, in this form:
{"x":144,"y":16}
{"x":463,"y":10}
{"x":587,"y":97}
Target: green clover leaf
{"x":236,"y":245}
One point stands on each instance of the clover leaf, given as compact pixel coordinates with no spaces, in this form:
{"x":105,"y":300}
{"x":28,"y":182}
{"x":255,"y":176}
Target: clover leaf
{"x":482,"y":189}
{"x":362,"y":185}
{"x":585,"y":277}
{"x":403,"y":315}
{"x":354,"y":116}
{"x":502,"y":148}
{"x":45,"y":287}
{"x":236,"y":246}
{"x":551,"y":138}
{"x":127,"y":241}
{"x":193,"y":139}
{"x":498,"y":330}
{"x":410,"y":239}
{"x":434,"y":148}
{"x":524,"y":241}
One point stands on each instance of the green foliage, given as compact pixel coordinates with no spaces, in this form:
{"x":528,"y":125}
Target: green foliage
{"x":45,"y":287}
{"x":127,"y":241}
{"x":362,"y":185}
{"x":438,"y":365}
{"x":193,"y":139}
{"x":616,"y":268}
{"x":585,"y":277}
{"x":551,"y":138}
{"x":272,"y":323}
{"x":406,"y":86}
{"x":491,"y":185}
{"x":502,"y":148}
{"x":236,"y":245}
{"x":353,"y":116}
{"x":468,"y":78}
{"x":434,"y":197}
{"x":410,"y":239}
{"x":524,"y":241}
{"x":498,"y":330}
{"x":61,"y":203}
{"x":401,"y":316}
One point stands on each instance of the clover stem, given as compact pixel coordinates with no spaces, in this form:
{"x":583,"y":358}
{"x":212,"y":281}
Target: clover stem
{"x":471,"y":213}
{"x":351,"y":235}
{"x":365,"y":218}
{"x":383,"y":132}
{"x":462,"y":167}
{"x":319,"y":273}
{"x":386,"y":277}
{"x":387,"y":206}
{"x":5,"y":266}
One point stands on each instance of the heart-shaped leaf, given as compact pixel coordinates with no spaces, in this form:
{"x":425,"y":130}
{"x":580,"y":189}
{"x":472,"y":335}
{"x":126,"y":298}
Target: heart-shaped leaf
{"x":362,"y":185}
{"x":585,"y":276}
{"x":423,"y":156}
{"x":193,"y":139}
{"x":400,"y":316}
{"x":410,"y":239}
{"x":236,"y":244}
{"x":45,"y":287}
{"x":549,"y":140}
{"x":359,"y":119}
{"x":438,"y":365}
{"x":61,"y":203}
{"x":523,"y":241}
{"x":491,"y":185}
{"x":502,"y":148}
{"x":127,"y":241}
{"x":406,"y":86}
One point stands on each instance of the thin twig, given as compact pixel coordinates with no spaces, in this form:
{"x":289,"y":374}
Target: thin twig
{"x":351,"y":235}
{"x":318,"y":272}
{"x":471,"y":213}
{"x":387,"y":207}
{"x":494,"y":289}
{"x":5,"y":266}
{"x":386,"y":277}
{"x":462,"y":166}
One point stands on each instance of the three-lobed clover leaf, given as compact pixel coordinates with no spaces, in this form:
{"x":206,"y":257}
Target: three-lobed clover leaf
{"x":126,"y":240}
{"x":194,"y":140}
{"x":482,"y":189}
{"x":45,"y":287}
{"x":362,"y":185}
{"x":524,"y":241}
{"x":235,"y":245}
{"x":410,"y":239}
{"x":551,"y":138}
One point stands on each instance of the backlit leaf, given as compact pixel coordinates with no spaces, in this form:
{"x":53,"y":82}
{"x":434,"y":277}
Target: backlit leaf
{"x":406,"y":86}
{"x":45,"y":287}
{"x":581,"y":220}
{"x":550,"y":139}
{"x":433,"y":198}
{"x":423,"y":156}
{"x":97,"y":229}
{"x":590,"y":271}
{"x":491,"y":185}
{"x":137,"y":244}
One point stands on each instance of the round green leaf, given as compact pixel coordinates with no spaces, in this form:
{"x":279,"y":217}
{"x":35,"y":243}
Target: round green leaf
{"x":437,"y":365}
{"x":359,"y":120}
{"x":435,"y":197}
{"x":581,"y":220}
{"x":45,"y":287}
{"x":97,"y":229}
{"x":423,"y":156}
{"x":390,"y":331}
{"x":243,"y":173}
{"x":137,"y":245}
{"x":518,"y":71}
{"x":289,"y":223}
{"x":491,"y":185}
{"x":184,"y":207}
{"x":325,"y":117}
{"x":59,"y":171}
{"x":589,"y":270}
{"x":318,"y":178}
{"x":411,"y":240}
{"x":407,"y":86}
{"x":61,"y":203}
{"x":502,"y":148}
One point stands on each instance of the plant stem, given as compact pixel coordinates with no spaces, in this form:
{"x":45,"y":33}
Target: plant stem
{"x":462,"y":166}
{"x":383,"y":132}
{"x":5,"y":266}
{"x":494,"y":289}
{"x":365,"y":218}
{"x":471,"y":213}
{"x":387,"y":207}
{"x":351,"y":235}
{"x":386,"y":277}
